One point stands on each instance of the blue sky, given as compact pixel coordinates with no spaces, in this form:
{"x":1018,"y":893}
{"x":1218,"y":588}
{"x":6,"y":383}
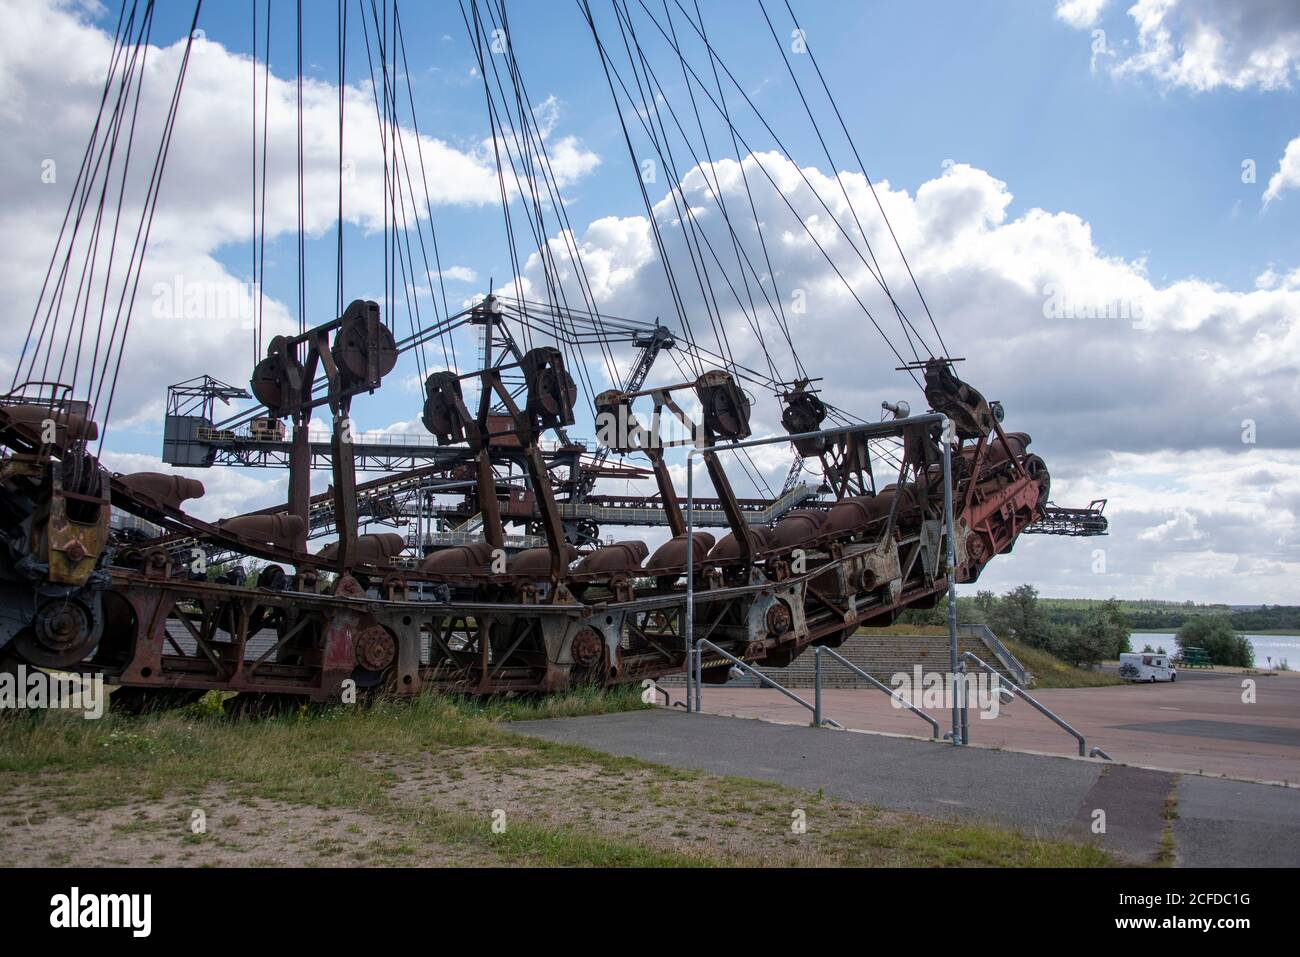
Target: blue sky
{"x":1004,"y":86}
{"x":1115,"y":175}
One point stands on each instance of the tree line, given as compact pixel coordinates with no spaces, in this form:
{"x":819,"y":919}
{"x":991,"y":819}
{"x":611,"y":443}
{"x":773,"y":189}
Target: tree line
{"x":1084,"y":634}
{"x":1096,"y":633}
{"x":1268,"y":618}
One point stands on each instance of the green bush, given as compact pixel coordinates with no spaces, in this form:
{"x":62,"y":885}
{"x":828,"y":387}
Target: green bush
{"x":1098,"y":636}
{"x":1214,"y":633}
{"x":1081,"y":647}
{"x":1020,"y":616}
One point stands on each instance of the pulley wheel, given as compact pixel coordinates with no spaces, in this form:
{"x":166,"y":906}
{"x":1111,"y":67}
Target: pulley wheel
{"x":62,"y":632}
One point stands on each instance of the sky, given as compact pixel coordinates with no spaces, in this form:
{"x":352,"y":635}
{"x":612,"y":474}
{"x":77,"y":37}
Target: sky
{"x":1099,"y":200}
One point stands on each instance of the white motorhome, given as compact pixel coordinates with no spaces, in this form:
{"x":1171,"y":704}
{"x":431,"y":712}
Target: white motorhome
{"x":1146,"y":666}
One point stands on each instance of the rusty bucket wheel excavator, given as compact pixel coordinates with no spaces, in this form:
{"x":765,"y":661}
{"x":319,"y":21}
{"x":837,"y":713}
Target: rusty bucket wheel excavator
{"x":546,"y":619}
{"x":471,"y":605}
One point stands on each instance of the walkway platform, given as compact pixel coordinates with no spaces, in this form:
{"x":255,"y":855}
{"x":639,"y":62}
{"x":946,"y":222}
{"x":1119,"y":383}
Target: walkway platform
{"x":1221,"y":823}
{"x":1199,"y":724}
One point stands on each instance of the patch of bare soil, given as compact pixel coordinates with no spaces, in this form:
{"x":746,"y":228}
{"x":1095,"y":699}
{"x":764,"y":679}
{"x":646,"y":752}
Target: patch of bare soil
{"x":56,"y":820}
{"x":236,"y":832}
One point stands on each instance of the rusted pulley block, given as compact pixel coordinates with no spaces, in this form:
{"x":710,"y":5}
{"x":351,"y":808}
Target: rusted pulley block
{"x":970,"y":413}
{"x":445,"y":414}
{"x":804,"y":412}
{"x":278,"y":380}
{"x":725,"y":405}
{"x":364,"y":350}
{"x":551,"y":390}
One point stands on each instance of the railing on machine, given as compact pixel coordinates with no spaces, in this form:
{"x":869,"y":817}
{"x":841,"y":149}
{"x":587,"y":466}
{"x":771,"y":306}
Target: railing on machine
{"x":1038,"y":706}
{"x":59,"y":400}
{"x":712,"y":516}
{"x":817,"y":684}
{"x":698,"y":665}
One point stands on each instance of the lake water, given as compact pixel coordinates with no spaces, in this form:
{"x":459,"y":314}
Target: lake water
{"x":1278,"y":646}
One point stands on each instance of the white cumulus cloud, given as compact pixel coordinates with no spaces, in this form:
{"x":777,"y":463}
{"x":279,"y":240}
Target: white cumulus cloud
{"x":53,"y":58}
{"x":1288,"y":172}
{"x":1080,"y":13}
{"x":1133,"y":389}
{"x":1205,"y":44}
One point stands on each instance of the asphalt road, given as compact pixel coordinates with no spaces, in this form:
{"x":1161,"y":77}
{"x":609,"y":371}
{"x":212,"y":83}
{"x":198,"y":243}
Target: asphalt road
{"x":1222,"y":824}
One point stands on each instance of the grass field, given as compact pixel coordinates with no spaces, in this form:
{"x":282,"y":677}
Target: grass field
{"x":422,"y":783}
{"x":1051,"y":672}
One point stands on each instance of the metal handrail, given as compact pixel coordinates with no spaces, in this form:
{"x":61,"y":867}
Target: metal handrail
{"x":714,"y":516}
{"x":817,"y":672}
{"x":1003,"y":653}
{"x":750,"y":669}
{"x":1041,"y":708}
{"x":317,"y":437}
{"x":470,"y":538}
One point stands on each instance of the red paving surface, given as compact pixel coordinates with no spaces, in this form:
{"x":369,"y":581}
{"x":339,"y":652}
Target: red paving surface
{"x":1100,"y":714}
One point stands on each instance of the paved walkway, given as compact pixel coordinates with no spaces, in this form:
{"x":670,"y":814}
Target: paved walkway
{"x":1221,"y":823}
{"x":1198,"y":723}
